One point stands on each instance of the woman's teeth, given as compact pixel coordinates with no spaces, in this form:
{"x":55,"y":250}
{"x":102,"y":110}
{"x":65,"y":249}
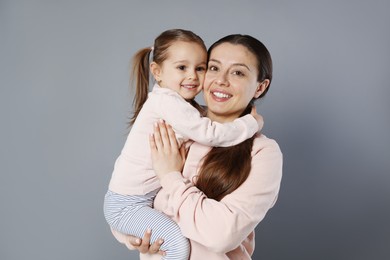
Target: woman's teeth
{"x":221,"y":95}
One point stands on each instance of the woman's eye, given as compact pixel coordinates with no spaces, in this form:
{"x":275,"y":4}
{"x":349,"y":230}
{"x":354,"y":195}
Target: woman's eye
{"x":213,"y":68}
{"x":238,"y":73}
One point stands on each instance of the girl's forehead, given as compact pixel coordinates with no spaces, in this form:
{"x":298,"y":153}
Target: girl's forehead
{"x":186,"y":51}
{"x":184,"y":45}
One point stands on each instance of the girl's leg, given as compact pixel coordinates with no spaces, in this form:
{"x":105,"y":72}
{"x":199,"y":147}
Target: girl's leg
{"x":134,"y":214}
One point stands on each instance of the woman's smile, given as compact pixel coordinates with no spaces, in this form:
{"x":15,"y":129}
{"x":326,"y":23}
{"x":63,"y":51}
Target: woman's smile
{"x":230,"y":82}
{"x":220,"y":95}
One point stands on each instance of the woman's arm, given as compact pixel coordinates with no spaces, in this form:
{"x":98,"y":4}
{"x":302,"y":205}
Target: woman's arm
{"x":142,"y":245}
{"x":222,"y":226}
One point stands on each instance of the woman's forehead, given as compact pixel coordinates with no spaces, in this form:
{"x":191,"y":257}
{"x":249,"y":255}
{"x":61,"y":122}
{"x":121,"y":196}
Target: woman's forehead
{"x":227,"y":53}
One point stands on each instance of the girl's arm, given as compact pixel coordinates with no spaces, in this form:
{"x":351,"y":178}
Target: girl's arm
{"x":188,"y":123}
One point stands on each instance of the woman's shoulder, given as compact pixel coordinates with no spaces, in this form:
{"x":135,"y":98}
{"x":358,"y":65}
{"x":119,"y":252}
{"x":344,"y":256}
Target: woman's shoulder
{"x":262,"y":143}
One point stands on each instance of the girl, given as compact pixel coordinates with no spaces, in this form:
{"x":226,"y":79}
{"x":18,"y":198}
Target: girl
{"x":178,"y":66}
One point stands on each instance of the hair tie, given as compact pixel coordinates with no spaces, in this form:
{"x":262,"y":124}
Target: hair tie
{"x":152,"y":48}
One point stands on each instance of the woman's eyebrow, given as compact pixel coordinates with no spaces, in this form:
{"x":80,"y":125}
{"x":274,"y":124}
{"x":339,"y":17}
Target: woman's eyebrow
{"x":213,"y":60}
{"x":242,"y":65}
{"x":234,"y":64}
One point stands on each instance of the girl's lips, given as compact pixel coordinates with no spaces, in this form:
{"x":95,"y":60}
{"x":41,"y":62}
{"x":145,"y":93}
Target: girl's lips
{"x":189,"y":86}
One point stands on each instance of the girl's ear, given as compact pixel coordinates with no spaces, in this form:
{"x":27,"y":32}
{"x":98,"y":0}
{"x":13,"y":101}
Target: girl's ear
{"x":261,"y":88}
{"x":155,"y":70}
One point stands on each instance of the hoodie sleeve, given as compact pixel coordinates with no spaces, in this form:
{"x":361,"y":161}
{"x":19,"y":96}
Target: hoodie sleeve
{"x":189,"y":124}
{"x":223,"y":225}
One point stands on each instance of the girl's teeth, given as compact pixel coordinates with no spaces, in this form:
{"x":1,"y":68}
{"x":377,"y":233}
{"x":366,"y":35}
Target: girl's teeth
{"x":189,"y":86}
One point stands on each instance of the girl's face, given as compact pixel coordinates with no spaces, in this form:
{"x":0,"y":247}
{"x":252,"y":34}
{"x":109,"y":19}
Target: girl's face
{"x":231,"y":82}
{"x":184,"y":69}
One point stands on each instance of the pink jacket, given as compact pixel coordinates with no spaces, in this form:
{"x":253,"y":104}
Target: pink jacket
{"x":224,"y":229}
{"x":133,"y":172}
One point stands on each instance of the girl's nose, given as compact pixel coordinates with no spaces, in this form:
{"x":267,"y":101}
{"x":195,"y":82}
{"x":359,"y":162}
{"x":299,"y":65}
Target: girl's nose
{"x":192,"y":75}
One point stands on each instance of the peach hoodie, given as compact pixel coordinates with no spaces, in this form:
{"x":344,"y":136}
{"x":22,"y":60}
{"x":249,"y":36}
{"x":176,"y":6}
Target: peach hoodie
{"x":224,"y":229}
{"x":133,"y":172}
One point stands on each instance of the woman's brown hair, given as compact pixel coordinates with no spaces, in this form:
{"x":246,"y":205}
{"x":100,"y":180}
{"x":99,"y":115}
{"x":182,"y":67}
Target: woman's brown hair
{"x":141,"y":61}
{"x":224,"y":169}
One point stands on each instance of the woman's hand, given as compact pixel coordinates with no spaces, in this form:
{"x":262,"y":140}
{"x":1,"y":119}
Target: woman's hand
{"x":166,"y":155}
{"x":143,"y":245}
{"x":258,"y":117}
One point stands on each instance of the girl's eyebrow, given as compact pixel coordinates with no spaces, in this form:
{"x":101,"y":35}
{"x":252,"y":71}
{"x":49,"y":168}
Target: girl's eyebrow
{"x":234,"y":64}
{"x":185,"y":61}
{"x":180,"y":61}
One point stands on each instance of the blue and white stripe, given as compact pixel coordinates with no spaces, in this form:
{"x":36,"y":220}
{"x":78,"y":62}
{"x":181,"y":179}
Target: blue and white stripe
{"x":133,"y":215}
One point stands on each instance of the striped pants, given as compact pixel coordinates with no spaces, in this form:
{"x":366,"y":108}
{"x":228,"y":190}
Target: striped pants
{"x":133,"y":214}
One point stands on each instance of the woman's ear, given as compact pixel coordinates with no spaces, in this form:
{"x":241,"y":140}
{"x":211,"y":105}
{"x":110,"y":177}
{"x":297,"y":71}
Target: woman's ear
{"x":155,"y":70}
{"x":262,"y":86}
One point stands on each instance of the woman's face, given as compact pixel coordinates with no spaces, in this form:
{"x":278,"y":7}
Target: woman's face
{"x":230,"y":82}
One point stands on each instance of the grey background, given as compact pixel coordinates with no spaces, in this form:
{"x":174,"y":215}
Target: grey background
{"x":64,"y":103}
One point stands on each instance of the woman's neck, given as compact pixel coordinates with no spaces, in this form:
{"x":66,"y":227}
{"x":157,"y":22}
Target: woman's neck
{"x":220,"y":118}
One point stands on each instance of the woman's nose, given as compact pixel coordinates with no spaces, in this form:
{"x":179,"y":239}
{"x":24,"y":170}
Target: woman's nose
{"x":221,"y":79}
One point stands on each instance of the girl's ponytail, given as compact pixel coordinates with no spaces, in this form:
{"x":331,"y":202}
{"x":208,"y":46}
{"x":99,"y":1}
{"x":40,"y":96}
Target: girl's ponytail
{"x":140,"y":79}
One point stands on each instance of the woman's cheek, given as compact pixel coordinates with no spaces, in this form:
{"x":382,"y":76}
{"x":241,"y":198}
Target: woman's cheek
{"x":208,"y":77}
{"x":206,"y":83}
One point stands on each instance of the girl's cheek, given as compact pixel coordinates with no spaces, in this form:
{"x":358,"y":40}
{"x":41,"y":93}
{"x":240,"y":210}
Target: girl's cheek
{"x":202,"y":78}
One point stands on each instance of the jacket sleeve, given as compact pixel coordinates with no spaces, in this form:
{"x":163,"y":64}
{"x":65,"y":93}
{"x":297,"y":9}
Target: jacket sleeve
{"x":189,"y":124}
{"x":222,"y":226}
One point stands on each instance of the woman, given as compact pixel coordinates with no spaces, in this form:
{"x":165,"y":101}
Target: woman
{"x":235,"y":186}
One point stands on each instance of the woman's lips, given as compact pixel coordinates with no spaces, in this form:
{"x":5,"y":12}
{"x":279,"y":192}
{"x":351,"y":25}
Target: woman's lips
{"x":220,"y":95}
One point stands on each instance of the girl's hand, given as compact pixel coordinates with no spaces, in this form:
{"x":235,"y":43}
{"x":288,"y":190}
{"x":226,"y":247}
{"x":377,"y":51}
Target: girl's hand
{"x":166,"y":155}
{"x":258,"y":117}
{"x":143,"y":245}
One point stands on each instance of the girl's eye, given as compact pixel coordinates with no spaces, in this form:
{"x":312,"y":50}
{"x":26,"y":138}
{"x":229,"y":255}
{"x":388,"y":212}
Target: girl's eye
{"x":182,"y":67}
{"x":200,"y":69}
